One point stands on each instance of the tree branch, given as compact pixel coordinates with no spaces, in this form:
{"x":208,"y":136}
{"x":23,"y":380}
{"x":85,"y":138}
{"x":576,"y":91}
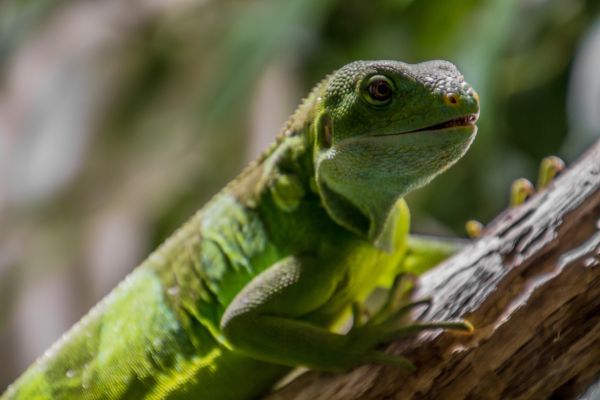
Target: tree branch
{"x":531,"y":288}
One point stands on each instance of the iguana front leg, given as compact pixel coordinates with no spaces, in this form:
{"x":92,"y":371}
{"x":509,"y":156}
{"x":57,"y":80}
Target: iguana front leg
{"x":268,"y":320}
{"x":280,"y":307}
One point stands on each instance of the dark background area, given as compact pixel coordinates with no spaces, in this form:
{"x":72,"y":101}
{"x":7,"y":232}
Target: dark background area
{"x":119,"y":119}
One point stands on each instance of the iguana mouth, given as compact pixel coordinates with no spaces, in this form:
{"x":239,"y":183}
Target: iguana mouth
{"x":462,"y":121}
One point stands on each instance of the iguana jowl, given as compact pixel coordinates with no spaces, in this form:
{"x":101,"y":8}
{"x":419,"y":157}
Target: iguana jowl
{"x":254,"y":283}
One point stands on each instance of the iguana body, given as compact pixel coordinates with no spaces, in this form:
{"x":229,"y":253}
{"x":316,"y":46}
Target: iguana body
{"x":256,"y":281}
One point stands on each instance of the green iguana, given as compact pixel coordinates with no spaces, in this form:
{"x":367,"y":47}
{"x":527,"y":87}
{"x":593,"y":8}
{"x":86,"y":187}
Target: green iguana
{"x":258,"y":280}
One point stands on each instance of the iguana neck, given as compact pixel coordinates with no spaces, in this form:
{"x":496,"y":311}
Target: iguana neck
{"x":290,"y":154}
{"x":295,"y":148}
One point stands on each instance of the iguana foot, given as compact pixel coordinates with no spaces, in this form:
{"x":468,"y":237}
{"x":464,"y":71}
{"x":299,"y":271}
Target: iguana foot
{"x":550,"y":168}
{"x":387,"y":324}
{"x":474,"y":228}
{"x":522,"y":189}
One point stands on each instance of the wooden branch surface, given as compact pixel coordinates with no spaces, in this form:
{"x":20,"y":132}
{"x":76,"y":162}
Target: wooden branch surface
{"x":531,"y":288}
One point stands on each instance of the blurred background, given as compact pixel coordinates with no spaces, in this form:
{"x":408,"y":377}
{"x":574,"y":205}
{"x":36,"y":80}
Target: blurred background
{"x":118,"y":119}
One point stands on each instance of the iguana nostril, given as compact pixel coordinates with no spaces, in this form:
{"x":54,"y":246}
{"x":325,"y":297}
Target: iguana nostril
{"x":451,"y":99}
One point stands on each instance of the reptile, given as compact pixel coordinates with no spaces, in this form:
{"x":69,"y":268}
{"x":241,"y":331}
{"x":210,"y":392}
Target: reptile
{"x":261,"y":279}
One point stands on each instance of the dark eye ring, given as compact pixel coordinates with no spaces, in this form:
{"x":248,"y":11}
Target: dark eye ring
{"x":379,"y":90}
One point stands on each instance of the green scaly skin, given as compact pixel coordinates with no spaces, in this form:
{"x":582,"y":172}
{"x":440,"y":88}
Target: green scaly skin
{"x":256,"y":281}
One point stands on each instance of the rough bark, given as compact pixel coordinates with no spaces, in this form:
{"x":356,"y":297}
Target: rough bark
{"x":530,"y":286}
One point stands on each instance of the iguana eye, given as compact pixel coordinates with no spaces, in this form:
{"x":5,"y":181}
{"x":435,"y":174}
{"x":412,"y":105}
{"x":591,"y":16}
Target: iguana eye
{"x":379,"y":90}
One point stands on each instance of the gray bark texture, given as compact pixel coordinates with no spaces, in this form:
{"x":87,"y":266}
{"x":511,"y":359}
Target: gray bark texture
{"x":530,"y":286}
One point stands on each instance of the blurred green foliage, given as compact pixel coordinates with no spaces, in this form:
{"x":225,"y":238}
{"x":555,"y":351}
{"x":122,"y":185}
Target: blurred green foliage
{"x":166,"y":95}
{"x":517,"y":54}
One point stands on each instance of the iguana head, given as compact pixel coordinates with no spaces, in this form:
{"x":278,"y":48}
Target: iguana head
{"x":383,"y":129}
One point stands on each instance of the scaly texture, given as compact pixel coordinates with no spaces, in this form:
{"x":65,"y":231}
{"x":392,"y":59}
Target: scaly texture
{"x":257,"y":280}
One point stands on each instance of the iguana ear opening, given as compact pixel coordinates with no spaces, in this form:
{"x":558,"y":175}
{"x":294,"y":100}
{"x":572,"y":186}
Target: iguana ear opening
{"x":324,"y":131}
